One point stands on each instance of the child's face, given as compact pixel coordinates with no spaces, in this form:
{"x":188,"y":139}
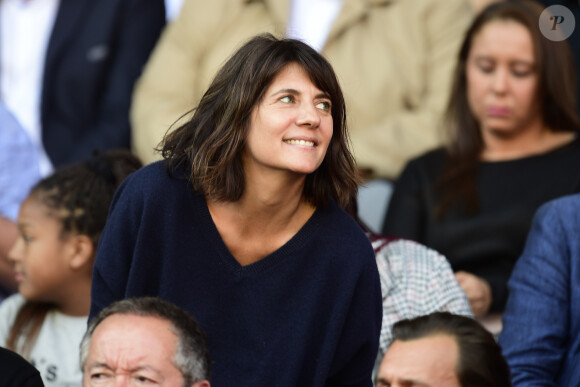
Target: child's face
{"x":40,"y":253}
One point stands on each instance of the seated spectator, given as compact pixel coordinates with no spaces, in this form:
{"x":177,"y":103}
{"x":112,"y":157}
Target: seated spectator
{"x":67,"y":71}
{"x":541,"y":334}
{"x":394,"y":83}
{"x":243,"y":226}
{"x":59,"y":224}
{"x":443,"y":350}
{"x":17,"y":372}
{"x":513,"y":146}
{"x":145,"y":339}
{"x":415,"y":280}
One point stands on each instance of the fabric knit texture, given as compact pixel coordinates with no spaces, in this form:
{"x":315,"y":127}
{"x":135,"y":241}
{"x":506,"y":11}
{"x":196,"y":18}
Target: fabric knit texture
{"x":308,"y":314}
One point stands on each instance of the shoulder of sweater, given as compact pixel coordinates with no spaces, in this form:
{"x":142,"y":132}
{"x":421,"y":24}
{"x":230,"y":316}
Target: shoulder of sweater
{"x":340,"y":228}
{"x":154,"y":177}
{"x":438,"y":155}
{"x":431,"y":162}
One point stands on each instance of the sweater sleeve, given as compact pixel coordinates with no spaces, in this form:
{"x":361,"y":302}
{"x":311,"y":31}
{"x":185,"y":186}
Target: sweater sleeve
{"x":358,"y":348}
{"x":171,"y":82}
{"x":116,"y":248}
{"x":535,"y":323}
{"x":436,"y":32}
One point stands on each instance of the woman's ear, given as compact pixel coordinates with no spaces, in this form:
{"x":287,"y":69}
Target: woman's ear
{"x":203,"y":383}
{"x":82,"y":251}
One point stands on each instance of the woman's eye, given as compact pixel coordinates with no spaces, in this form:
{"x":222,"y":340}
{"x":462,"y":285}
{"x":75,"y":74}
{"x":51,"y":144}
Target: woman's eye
{"x":287,"y":99}
{"x":323,"y":105}
{"x":521,"y":73}
{"x":486,"y":69}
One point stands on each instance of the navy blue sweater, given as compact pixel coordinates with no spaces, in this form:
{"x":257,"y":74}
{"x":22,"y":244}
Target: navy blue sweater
{"x":308,"y":314}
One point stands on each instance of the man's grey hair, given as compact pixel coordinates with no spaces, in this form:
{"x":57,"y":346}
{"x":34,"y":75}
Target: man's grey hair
{"x":192,"y":355}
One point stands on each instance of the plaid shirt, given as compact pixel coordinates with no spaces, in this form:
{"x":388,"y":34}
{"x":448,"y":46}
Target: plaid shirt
{"x":415,"y":280}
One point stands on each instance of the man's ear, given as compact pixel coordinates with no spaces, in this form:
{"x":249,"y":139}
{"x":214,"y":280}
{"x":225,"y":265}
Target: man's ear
{"x":81,"y":251}
{"x":203,"y":383}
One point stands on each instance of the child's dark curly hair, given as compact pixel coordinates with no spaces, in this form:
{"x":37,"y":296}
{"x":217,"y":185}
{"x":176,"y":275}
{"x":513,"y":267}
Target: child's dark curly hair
{"x":80,"y":194}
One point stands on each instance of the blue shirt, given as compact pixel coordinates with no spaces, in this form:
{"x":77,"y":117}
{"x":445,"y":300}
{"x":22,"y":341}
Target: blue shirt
{"x":18,"y":164}
{"x":541,"y":323}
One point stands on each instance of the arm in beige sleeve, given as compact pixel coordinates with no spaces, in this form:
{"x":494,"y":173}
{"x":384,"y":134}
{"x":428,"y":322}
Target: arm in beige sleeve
{"x":169,"y":86}
{"x":438,"y":29}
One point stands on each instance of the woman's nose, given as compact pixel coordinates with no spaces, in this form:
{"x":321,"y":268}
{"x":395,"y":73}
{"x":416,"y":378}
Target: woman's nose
{"x":500,"y":80}
{"x":308,"y":116}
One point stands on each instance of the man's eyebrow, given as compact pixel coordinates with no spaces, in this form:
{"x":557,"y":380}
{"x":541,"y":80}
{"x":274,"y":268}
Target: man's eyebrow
{"x":98,"y":365}
{"x":135,"y":369}
{"x":148,"y":368}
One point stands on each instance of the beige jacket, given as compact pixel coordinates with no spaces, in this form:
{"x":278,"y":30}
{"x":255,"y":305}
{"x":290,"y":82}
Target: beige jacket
{"x":394,"y":60}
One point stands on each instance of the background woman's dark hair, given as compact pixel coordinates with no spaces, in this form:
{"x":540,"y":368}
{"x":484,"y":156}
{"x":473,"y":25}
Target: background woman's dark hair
{"x":480,"y":361}
{"x":79,"y":196}
{"x":210,"y":146}
{"x":556,"y":96}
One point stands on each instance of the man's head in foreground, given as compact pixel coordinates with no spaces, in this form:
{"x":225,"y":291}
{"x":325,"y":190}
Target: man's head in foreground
{"x":141,"y":340}
{"x":445,"y":350}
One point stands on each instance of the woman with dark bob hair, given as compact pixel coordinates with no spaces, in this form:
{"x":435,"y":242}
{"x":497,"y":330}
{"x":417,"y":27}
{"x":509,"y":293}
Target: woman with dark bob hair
{"x":513,"y":146}
{"x":242,"y":225}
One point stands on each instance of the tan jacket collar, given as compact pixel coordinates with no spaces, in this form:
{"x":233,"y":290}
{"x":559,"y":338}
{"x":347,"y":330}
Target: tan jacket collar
{"x":352,"y":10}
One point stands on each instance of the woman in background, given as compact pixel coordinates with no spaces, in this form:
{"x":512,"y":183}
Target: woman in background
{"x":513,"y":146}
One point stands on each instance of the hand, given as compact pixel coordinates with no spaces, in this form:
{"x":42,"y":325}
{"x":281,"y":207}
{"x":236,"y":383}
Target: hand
{"x":477,"y":290}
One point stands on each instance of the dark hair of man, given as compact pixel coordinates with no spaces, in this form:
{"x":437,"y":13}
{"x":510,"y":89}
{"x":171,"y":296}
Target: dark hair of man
{"x":78,"y":196}
{"x":210,"y":145}
{"x":480,"y":361}
{"x":556,"y":96}
{"x":191,"y":355}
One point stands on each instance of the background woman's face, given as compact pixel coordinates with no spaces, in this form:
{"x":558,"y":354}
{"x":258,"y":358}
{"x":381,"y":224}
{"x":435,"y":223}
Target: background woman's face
{"x":502,"y":80}
{"x":291,"y":128}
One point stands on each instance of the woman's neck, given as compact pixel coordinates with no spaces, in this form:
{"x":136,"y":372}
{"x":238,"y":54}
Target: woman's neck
{"x":504,"y":147}
{"x":268,"y":202}
{"x":269,"y":213}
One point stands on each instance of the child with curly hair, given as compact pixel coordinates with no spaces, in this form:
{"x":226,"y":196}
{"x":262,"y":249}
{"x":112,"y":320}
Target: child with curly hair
{"x":59,"y":224}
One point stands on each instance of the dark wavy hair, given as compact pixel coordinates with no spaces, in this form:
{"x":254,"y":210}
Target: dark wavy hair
{"x":556,"y":95}
{"x":210,"y":145}
{"x":480,"y":361}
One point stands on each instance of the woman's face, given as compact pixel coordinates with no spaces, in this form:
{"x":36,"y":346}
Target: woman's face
{"x":40,"y":253}
{"x":502,"y":80}
{"x":291,"y":127}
